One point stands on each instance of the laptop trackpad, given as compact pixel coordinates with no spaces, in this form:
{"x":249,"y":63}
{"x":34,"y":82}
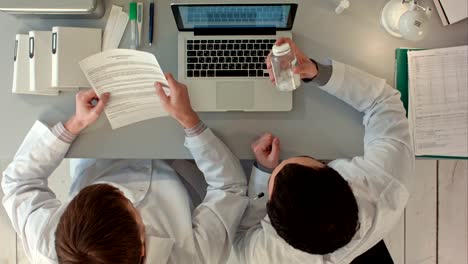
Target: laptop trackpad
{"x":235,"y":95}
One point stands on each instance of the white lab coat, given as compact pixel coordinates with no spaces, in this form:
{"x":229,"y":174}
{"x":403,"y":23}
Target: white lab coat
{"x":175,"y":231}
{"x":379,"y":179}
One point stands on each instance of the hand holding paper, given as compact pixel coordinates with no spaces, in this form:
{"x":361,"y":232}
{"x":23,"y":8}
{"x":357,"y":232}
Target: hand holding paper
{"x":177,"y":102}
{"x":129,"y":76}
{"x":86,"y":113}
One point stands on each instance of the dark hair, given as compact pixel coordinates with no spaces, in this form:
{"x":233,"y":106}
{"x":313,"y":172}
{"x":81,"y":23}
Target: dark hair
{"x":313,"y":209}
{"x":98,"y":227}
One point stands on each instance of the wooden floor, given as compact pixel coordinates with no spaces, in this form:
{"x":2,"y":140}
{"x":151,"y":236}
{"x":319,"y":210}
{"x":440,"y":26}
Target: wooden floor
{"x":434,"y":228}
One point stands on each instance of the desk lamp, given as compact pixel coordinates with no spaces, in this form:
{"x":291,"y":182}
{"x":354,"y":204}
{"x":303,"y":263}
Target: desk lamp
{"x":406,"y":19}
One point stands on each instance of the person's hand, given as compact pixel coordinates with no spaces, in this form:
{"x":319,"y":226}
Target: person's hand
{"x":86,"y":113}
{"x":177,"y":103}
{"x":305,"y":68}
{"x":266,"y":150}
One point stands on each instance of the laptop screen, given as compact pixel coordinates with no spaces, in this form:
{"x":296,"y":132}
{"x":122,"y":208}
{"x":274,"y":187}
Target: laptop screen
{"x":190,"y":17}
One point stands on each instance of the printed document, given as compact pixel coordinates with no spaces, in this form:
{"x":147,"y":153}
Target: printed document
{"x":438,"y":91}
{"x":129,"y":76}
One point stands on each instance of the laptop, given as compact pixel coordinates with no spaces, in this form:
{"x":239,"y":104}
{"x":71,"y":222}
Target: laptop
{"x":221,"y":54}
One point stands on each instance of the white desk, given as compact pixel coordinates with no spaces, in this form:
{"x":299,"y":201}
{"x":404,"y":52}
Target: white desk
{"x":319,"y":125}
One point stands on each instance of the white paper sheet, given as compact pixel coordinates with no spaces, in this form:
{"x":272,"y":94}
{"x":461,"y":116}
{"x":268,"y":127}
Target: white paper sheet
{"x":129,"y":76}
{"x":115,"y":28}
{"x":438,"y":88}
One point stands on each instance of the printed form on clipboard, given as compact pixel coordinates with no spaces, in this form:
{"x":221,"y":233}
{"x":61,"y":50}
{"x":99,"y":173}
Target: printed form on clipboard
{"x":438,"y":101}
{"x":129,"y":76}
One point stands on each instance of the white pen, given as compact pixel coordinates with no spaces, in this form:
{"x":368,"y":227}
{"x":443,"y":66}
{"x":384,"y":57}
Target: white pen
{"x":139,"y":20}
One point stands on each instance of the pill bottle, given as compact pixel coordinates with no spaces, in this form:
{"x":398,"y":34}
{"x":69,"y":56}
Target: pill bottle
{"x":283,"y":62}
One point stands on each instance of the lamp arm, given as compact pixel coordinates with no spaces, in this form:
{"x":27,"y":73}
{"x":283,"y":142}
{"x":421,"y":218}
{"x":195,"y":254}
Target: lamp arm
{"x":414,"y":4}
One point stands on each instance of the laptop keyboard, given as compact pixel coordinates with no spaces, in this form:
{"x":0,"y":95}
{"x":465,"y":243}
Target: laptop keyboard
{"x":227,"y":58}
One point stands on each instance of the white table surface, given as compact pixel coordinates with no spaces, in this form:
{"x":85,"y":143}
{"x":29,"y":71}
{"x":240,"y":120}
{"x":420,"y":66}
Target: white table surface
{"x":319,"y":125}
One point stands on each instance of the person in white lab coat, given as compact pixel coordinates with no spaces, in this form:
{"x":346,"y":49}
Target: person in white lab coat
{"x":330,"y":213}
{"x":124,"y":211}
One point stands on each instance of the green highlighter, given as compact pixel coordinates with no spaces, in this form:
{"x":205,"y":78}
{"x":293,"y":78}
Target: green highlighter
{"x":132,"y":15}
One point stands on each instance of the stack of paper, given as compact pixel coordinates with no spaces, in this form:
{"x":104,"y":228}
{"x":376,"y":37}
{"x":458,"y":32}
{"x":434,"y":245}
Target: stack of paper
{"x":115,"y":28}
{"x":438,"y":101}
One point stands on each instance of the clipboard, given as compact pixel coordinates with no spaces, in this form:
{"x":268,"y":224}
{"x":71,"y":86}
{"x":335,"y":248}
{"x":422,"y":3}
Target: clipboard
{"x":401,"y":84}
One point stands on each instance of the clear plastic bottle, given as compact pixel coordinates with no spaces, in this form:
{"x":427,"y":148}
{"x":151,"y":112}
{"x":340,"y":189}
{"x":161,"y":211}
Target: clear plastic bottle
{"x":283,"y":62}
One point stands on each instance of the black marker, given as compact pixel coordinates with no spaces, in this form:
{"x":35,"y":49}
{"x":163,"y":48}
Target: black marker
{"x":260,"y":195}
{"x":151,"y":23}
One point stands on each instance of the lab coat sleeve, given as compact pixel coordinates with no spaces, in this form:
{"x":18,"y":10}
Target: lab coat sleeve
{"x":258,"y":183}
{"x":387,"y":141}
{"x":217,"y":218}
{"x":28,"y":200}
{"x":256,"y":210}
{"x":250,"y":245}
{"x":382,"y":177}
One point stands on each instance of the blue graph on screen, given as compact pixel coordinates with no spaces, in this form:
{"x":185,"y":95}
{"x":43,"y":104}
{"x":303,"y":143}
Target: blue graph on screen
{"x":235,"y":16}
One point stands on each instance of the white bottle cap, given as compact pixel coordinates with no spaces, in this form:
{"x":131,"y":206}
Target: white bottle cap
{"x":281,"y":49}
{"x":344,"y":4}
